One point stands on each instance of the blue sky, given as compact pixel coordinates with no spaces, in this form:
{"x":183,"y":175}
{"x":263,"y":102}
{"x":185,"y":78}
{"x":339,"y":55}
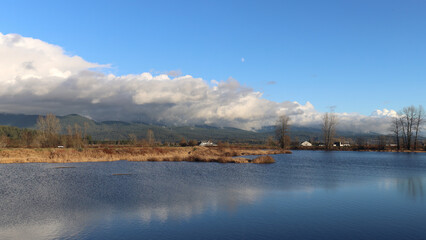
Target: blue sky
{"x":356,"y":55}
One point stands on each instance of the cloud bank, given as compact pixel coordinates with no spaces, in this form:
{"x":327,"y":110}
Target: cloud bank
{"x":37,"y":78}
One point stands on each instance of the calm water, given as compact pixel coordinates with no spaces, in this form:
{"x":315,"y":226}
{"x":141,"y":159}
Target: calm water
{"x":306,"y":195}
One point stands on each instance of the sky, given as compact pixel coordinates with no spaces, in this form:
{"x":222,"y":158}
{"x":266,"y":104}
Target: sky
{"x":361,"y":58}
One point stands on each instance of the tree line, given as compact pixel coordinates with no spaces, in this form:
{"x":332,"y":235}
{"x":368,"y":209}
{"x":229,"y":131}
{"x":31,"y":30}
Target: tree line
{"x":47,"y":134}
{"x":407,"y":127}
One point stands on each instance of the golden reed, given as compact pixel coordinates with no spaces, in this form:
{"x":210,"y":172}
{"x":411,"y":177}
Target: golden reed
{"x":157,"y":154}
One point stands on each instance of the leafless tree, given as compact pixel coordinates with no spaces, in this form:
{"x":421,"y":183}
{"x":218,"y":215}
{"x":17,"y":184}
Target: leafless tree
{"x":408,"y":120}
{"x":420,"y":120}
{"x":381,"y":142}
{"x":270,"y":141}
{"x":49,"y":127}
{"x":27,"y":138}
{"x":329,"y":129}
{"x":150,"y":137}
{"x":85,"y":135}
{"x":133,"y":138}
{"x":396,"y":130}
{"x":78,"y":136}
{"x":282,"y":131}
{"x":360,"y":142}
{"x":411,"y":120}
{"x":4,"y":140}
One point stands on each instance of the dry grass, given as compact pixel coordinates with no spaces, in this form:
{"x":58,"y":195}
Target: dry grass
{"x":155,"y":154}
{"x":264,"y":159}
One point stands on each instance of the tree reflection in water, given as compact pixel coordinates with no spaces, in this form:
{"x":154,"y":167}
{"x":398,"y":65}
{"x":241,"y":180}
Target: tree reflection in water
{"x":412,"y":187}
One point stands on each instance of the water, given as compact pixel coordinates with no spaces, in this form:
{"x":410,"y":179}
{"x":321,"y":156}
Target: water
{"x":306,"y":195}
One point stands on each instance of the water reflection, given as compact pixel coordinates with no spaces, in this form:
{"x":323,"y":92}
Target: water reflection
{"x":38,"y":201}
{"x":413,"y":187}
{"x":45,"y":203}
{"x":42,"y":221}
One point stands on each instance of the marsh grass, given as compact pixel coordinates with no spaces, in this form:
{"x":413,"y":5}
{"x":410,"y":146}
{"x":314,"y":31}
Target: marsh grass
{"x":153,"y":154}
{"x":264,"y":159}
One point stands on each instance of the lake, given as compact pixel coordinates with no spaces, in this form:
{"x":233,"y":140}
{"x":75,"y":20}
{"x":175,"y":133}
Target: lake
{"x":304,"y":195}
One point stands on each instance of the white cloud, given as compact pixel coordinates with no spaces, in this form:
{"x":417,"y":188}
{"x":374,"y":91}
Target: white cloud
{"x":38,"y":77}
{"x":243,"y":60}
{"x":384,"y":113}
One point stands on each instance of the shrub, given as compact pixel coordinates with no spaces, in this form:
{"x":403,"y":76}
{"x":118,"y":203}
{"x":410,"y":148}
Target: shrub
{"x":264,"y":159}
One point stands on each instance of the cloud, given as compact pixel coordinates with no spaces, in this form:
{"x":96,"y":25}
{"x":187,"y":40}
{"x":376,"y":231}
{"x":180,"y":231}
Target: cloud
{"x":37,"y":78}
{"x":384,"y":113}
{"x":243,"y":60}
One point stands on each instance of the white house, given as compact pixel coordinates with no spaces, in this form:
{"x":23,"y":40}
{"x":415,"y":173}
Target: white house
{"x":306,"y":144}
{"x":207,"y":144}
{"x":342,"y":144}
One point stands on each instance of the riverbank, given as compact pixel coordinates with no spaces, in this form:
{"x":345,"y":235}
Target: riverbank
{"x":155,"y":154}
{"x":348,"y":149}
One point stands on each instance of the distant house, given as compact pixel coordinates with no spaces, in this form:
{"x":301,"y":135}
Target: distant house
{"x":306,"y":144}
{"x":207,"y":144}
{"x":341,"y":144}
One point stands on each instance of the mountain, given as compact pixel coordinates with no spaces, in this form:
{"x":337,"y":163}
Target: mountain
{"x":118,"y":130}
{"x":18,"y":120}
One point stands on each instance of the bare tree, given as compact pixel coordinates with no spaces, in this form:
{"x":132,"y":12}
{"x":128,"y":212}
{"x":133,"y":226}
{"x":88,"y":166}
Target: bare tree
{"x":381,"y":142}
{"x":133,"y":139}
{"x":329,"y":129}
{"x":27,"y":138}
{"x":360,"y":142}
{"x":396,"y":130}
{"x":49,"y":127}
{"x":410,"y":124}
{"x":78,"y":140}
{"x":403,"y":132}
{"x":4,"y":140}
{"x":150,"y":137}
{"x":69,"y":141}
{"x":408,"y":120}
{"x":270,"y":141}
{"x":85,"y":135}
{"x":282,"y":131}
{"x":418,"y":123}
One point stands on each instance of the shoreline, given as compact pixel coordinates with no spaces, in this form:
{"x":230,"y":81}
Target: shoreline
{"x":137,"y":154}
{"x":359,"y":150}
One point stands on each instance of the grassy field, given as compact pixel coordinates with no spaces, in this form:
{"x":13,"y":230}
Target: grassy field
{"x":157,"y":154}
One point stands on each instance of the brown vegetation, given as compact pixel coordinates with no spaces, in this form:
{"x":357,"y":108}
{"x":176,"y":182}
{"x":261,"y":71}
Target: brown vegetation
{"x":114,"y":153}
{"x":264,"y":159}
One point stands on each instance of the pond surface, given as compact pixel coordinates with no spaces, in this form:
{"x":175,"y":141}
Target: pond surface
{"x":304,"y":195}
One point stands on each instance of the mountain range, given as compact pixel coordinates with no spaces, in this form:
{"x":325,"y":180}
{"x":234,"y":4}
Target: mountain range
{"x":120,"y":130}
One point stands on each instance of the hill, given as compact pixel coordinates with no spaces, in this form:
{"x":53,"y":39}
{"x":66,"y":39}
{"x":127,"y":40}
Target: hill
{"x":118,"y":130}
